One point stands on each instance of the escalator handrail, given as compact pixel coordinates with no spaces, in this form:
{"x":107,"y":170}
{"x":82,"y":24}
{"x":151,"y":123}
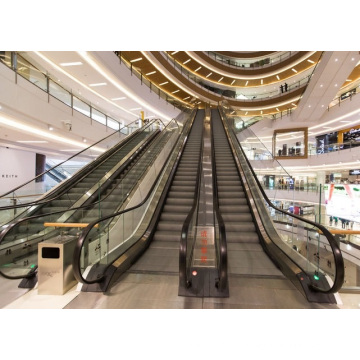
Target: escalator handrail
{"x":82,"y":238}
{"x":183,"y":251}
{"x":338,"y":259}
{"x":223,"y":273}
{"x":73,"y":179}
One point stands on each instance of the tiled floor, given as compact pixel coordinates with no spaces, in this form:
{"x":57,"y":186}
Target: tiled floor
{"x":145,"y":291}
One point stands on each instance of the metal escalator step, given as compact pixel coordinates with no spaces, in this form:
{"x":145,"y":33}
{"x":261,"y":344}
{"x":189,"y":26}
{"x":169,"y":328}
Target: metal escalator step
{"x":173,"y":216}
{"x":233,"y":201}
{"x":181,"y":194}
{"x":231,"y":194}
{"x":245,"y":237}
{"x":234,"y":209}
{"x":236,"y":217}
{"x":167,"y":236}
{"x":169,"y":226}
{"x":239,"y":226}
{"x":177,"y":208}
{"x":179,"y":201}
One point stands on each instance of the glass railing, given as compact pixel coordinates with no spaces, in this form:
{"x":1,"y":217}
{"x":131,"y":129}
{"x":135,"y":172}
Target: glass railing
{"x":265,"y":61}
{"x":309,"y":245}
{"x":183,"y":106}
{"x":37,"y":191}
{"x":45,"y":82}
{"x":198,"y":81}
{"x":117,"y":189}
{"x":315,"y":151}
{"x":115,"y":234}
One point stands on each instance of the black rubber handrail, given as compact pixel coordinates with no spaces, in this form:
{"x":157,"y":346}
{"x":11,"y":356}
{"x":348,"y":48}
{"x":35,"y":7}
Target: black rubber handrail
{"x":183,"y":251}
{"x":222,"y":261}
{"x":338,"y":259}
{"x":82,"y":238}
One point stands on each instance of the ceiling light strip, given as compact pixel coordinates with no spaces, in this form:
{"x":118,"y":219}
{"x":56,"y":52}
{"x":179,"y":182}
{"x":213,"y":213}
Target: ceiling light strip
{"x":80,"y":83}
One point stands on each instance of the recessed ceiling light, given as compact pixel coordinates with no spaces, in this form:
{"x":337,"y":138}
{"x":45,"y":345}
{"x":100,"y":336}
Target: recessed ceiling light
{"x":98,"y":84}
{"x":348,"y":80}
{"x":135,"y":109}
{"x":164,"y":83}
{"x":335,"y":85}
{"x":277,"y":76}
{"x":119,"y":98}
{"x":294,"y":70}
{"x":75,"y":63}
{"x":310,"y":61}
{"x":135,"y":60}
{"x":262,"y":81}
{"x":321,"y":85}
{"x":32,"y":141}
{"x":150,"y":73}
{"x":246,"y":113}
{"x":233,"y":82}
{"x":185,"y":62}
{"x":50,"y":128}
{"x":336,"y":59}
{"x":277,"y":109}
{"x":246,"y":83}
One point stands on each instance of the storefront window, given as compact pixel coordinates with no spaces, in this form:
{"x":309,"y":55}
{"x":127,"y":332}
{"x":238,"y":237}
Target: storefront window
{"x":290,"y":143}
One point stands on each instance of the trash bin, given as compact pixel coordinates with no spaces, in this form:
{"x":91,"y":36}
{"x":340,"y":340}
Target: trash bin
{"x":55,"y":272}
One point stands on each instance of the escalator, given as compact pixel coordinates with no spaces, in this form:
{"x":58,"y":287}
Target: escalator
{"x":109,"y":181}
{"x":162,"y":238}
{"x":163,"y":253}
{"x":257,"y":248}
{"x":149,"y":233}
{"x":245,"y":254}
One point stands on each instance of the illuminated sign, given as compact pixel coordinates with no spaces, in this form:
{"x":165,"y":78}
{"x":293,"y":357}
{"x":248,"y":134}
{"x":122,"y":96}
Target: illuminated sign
{"x":354,"y":172}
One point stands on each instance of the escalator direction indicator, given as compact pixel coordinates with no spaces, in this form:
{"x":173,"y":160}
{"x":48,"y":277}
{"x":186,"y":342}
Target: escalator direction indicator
{"x":203,"y":238}
{"x":204,"y":253}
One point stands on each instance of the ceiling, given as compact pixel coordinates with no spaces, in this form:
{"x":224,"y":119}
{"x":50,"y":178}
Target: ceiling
{"x":81,"y":80}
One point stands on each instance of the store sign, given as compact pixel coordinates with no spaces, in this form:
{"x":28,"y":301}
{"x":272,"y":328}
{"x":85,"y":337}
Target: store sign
{"x":354,"y":172}
{"x":8,"y":176}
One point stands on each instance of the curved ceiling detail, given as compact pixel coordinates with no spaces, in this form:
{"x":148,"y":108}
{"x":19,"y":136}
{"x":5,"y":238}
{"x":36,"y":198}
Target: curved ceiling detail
{"x":270,"y":74}
{"x":245,"y":55}
{"x":196,"y":79}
